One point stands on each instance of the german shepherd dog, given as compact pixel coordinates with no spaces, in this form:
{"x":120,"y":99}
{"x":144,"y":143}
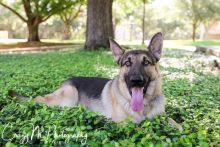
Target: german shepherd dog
{"x":136,"y":92}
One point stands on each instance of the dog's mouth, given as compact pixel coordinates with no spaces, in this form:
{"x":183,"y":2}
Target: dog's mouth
{"x":137,"y":98}
{"x":137,"y":90}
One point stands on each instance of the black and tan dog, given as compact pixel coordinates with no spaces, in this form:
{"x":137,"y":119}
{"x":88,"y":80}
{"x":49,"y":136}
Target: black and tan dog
{"x":136,"y":92}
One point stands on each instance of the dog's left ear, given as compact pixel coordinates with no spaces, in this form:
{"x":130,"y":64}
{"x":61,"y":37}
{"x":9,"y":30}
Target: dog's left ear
{"x":155,"y":46}
{"x":116,"y":50}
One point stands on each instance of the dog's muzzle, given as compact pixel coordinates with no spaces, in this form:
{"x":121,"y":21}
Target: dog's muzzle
{"x":136,"y":83}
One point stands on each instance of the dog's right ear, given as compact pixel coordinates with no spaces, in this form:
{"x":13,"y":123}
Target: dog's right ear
{"x":116,"y":50}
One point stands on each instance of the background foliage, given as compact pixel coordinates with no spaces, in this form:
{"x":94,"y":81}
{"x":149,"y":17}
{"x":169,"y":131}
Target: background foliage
{"x":173,"y":17}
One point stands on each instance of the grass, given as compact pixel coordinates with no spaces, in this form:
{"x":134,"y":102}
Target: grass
{"x":178,"y":42}
{"x":192,"y":91}
{"x":12,"y":43}
{"x":198,"y":42}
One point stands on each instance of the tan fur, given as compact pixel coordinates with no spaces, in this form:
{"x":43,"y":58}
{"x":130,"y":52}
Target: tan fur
{"x":66,"y":95}
{"x":117,"y":94}
{"x":115,"y":98}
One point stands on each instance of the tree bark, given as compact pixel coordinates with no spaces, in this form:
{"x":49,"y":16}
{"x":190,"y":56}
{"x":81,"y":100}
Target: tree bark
{"x":194,"y":31}
{"x":67,"y":31}
{"x":33,"y":33}
{"x":67,"y":17}
{"x":33,"y":26}
{"x":99,"y":26}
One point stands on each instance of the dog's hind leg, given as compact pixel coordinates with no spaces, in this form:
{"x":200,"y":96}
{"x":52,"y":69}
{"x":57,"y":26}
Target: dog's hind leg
{"x":66,"y":95}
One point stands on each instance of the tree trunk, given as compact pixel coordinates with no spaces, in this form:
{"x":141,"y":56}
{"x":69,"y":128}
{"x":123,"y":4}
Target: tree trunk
{"x":143,"y":22}
{"x":33,"y":32}
{"x":99,"y":26}
{"x":194,"y":31}
{"x":67,"y":31}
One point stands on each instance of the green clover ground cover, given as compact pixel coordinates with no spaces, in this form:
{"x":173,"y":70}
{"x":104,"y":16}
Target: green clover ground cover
{"x":191,"y":88}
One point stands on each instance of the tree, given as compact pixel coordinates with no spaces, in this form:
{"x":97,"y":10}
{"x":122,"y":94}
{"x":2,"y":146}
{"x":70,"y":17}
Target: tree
{"x":122,"y":11}
{"x":198,"y":11}
{"x":99,"y":24}
{"x":130,"y":10}
{"x":68,"y":16}
{"x":38,"y":11}
{"x":129,"y":13}
{"x":143,"y":20}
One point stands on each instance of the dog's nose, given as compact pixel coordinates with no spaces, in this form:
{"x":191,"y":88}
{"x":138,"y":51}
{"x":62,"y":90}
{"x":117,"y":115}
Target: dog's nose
{"x":137,"y":79}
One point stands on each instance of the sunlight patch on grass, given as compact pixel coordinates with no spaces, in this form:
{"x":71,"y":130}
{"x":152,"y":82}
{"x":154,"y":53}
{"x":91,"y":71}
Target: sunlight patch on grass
{"x":109,"y":71}
{"x":190,"y":76}
{"x":203,"y":64}
{"x":195,"y":62}
{"x":172,"y":62}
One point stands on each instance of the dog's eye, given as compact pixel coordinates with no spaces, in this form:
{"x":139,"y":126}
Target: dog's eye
{"x":145,"y":62}
{"x":128,"y":63}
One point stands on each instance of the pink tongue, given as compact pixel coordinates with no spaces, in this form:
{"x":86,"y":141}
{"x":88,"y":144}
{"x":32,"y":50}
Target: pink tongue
{"x":137,"y":99}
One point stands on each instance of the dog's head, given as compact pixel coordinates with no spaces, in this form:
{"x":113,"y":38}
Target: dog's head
{"x":138,"y":68}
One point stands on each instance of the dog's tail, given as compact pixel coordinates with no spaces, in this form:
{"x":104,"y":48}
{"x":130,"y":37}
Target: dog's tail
{"x":12,"y":93}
